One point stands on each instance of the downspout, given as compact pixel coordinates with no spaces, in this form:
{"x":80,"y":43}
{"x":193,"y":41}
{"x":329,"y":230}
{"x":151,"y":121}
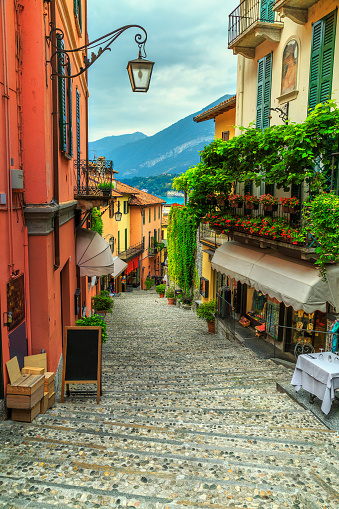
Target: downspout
{"x":8,"y":141}
{"x":55,"y":137}
{"x":27,"y":295}
{"x":240,"y":91}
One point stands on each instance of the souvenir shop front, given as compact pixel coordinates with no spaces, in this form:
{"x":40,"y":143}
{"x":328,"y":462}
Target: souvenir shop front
{"x":132,"y":273}
{"x":282,"y":299}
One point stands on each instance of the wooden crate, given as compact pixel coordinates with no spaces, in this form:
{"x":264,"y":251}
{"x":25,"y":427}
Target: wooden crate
{"x":44,"y":403}
{"x":51,"y":400}
{"x":19,"y":414}
{"x":25,"y":392}
{"x":30,"y":370}
{"x":49,"y":382}
{"x":38,"y":361}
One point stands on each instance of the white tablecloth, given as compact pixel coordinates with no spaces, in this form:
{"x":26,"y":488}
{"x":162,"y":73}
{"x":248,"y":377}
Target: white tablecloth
{"x":317,"y":376}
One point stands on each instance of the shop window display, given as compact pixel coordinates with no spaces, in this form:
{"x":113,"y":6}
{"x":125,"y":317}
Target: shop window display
{"x":272,"y":319}
{"x":310,"y":327}
{"x":256,"y":305}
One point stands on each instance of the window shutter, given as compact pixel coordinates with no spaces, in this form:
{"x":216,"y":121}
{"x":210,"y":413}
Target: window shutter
{"x":295,"y":190}
{"x":225,"y":135}
{"x":62,"y":98}
{"x":70,"y":118}
{"x":264,"y":81}
{"x":78,"y":135}
{"x":267,"y":90}
{"x":269,"y":189}
{"x":125,"y":239}
{"x":263,"y":10}
{"x":79,"y":15}
{"x":270,"y":11}
{"x":248,"y":187}
{"x":321,"y":65}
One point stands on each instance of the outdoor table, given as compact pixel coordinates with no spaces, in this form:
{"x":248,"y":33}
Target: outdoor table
{"x":317,"y":376}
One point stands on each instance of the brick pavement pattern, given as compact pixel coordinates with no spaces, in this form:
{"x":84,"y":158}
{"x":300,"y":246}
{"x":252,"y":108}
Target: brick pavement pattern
{"x":187,"y":419}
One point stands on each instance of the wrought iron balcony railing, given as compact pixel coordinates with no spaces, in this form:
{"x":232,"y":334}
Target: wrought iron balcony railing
{"x":93,"y":178}
{"x":131,"y":252}
{"x":246,"y":14}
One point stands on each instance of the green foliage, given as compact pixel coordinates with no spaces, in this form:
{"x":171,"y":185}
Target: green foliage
{"x":97,"y":222}
{"x":170,"y":293}
{"x":160,"y":289}
{"x":106,"y":186}
{"x":149,"y":283}
{"x":157,"y":184}
{"x":102,"y":302}
{"x":281,"y":154}
{"x":207,"y":310}
{"x":181,"y":248}
{"x":321,"y":219}
{"x":94,"y":321}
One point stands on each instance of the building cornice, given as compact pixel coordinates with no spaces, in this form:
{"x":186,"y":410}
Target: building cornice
{"x":39,"y":218}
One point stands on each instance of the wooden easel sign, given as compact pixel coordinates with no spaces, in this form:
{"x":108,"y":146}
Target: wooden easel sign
{"x":82,"y":358}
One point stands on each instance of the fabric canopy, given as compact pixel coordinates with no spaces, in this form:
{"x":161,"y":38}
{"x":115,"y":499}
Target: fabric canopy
{"x":294,"y":282}
{"x":132,"y":265}
{"x":93,"y":254}
{"x":119,"y":266}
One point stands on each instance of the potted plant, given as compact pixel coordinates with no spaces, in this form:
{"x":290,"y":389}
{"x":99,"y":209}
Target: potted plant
{"x":102,"y":303}
{"x":206,"y":311}
{"x":289,"y":205}
{"x":186,"y":301}
{"x":170,"y":294}
{"x":94,"y":321}
{"x":235,"y":200}
{"x":251,"y":202}
{"x":149,"y":283}
{"x":269,"y":202}
{"x":160,"y":289}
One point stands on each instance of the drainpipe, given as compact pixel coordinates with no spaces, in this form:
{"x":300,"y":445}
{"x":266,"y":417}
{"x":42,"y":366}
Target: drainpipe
{"x":8,"y":141}
{"x":240,"y":91}
{"x":55,"y":137}
{"x":27,"y":295}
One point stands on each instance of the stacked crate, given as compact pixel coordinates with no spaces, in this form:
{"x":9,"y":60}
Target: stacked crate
{"x":30,"y":391}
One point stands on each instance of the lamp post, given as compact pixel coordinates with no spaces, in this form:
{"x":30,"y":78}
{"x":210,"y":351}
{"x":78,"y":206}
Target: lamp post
{"x":118,"y":214}
{"x":139,"y":70}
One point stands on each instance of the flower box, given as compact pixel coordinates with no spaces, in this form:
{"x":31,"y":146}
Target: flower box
{"x":270,"y":208}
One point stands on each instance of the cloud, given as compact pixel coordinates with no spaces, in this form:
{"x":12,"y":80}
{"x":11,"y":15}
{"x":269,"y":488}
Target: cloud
{"x":187,"y":40}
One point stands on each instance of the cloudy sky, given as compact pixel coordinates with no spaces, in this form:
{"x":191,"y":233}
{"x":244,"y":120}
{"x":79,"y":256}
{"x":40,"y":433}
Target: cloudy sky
{"x":187,"y":40}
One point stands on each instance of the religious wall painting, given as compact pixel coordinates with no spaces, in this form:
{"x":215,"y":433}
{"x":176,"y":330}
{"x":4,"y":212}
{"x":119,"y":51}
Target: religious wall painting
{"x":289,"y":67}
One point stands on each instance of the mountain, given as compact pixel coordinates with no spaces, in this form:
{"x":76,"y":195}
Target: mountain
{"x":172,"y":150}
{"x":111,"y":143}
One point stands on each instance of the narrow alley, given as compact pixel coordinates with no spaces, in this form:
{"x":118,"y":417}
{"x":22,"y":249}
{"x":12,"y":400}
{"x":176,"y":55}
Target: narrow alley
{"x":187,"y":419}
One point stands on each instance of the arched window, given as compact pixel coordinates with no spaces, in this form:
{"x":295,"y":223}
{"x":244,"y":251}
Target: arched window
{"x":289,"y":67}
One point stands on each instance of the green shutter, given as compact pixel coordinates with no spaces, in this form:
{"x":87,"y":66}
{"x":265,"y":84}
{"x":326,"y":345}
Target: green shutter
{"x":266,"y":11}
{"x":248,"y":189}
{"x":69,"y":107}
{"x":264,"y":82}
{"x":125,"y":239}
{"x":322,"y":55}
{"x":62,"y":97}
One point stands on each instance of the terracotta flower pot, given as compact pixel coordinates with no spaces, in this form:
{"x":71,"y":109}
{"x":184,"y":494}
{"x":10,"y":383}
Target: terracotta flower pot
{"x":235,"y":204}
{"x":161,"y":295}
{"x":249,"y":206}
{"x":270,"y":208}
{"x":171,"y":301}
{"x":211,"y":326}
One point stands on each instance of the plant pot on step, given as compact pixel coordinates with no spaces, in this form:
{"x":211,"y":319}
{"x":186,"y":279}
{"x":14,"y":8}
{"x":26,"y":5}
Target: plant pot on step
{"x":171,"y":301}
{"x":211,"y":326}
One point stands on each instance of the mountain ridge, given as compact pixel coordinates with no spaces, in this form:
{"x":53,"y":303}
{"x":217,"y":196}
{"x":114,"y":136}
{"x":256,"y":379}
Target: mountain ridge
{"x":171,"y":150}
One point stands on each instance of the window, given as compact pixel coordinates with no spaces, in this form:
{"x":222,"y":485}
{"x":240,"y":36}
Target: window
{"x":125,"y":207}
{"x":149,"y":215}
{"x":322,"y":53}
{"x":143,"y":216}
{"x":111,"y":208}
{"x":158,"y":233}
{"x":225,"y":135}
{"x":289,"y":67}
{"x":78,"y":136}
{"x":155,"y":213}
{"x":159,"y":212}
{"x":126,"y":239}
{"x":155,"y":235}
{"x":143,"y":243}
{"x":248,"y":187}
{"x":149,"y":240}
{"x":111,"y":243}
{"x":65,"y":103}
{"x":266,"y":10}
{"x":264,"y":92}
{"x":77,"y":14}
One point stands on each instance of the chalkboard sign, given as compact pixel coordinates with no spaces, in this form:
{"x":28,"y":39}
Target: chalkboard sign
{"x":82,"y":358}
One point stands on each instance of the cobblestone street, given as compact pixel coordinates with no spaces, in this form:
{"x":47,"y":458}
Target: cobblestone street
{"x":187,"y":419}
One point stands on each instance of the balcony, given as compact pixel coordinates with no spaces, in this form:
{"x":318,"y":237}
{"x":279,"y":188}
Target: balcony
{"x":296,"y":10}
{"x":259,"y":227}
{"x":131,"y":252}
{"x":250,"y":24}
{"x":94,"y":181}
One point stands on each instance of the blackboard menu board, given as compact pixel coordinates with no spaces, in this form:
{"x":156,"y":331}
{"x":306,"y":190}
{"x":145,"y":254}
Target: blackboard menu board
{"x":82,"y":358}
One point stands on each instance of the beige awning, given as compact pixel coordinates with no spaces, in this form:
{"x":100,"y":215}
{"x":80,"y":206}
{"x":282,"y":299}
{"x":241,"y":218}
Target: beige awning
{"x":93,"y":254}
{"x":294,"y":282}
{"x":119,"y":266}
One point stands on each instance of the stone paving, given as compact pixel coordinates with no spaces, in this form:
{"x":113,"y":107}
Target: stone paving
{"x":187,"y":419}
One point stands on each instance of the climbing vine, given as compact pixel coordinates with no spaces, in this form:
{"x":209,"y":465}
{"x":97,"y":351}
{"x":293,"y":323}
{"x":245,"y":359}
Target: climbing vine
{"x":97,"y":222}
{"x":181,"y":248}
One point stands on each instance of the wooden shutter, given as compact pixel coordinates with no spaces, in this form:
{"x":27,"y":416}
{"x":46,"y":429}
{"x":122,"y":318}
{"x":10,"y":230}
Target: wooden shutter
{"x":263,"y":10}
{"x":321,"y":65}
{"x":78,"y":136}
{"x":264,"y":81}
{"x":62,"y":98}
{"x":69,"y":108}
